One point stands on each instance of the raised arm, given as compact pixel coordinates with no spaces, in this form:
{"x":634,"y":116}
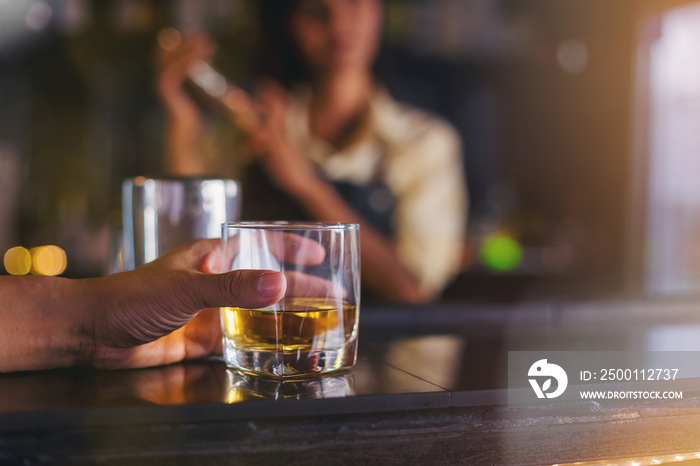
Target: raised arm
{"x":183,"y":133}
{"x":382,"y":268}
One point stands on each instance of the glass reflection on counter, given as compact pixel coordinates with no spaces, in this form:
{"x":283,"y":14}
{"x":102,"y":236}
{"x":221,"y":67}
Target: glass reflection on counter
{"x":243,"y":387}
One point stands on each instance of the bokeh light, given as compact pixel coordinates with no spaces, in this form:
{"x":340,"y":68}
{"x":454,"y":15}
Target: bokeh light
{"x":169,"y":39}
{"x":38,"y":16}
{"x":48,"y":260}
{"x":501,"y":252}
{"x":572,"y":56}
{"x":18,"y":261}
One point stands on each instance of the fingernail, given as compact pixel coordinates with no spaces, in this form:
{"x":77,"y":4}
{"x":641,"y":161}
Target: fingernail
{"x":268,"y":284}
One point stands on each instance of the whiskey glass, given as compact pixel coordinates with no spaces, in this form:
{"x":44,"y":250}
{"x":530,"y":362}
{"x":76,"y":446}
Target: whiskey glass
{"x":313,"y":329}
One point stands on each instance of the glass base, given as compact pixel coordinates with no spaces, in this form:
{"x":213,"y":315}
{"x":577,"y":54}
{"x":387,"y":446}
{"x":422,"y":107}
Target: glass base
{"x":290,"y":365}
{"x":244,"y":387}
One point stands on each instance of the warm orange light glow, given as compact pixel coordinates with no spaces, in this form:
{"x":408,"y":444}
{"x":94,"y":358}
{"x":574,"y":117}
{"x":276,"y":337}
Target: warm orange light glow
{"x":139,"y":181}
{"x":641,"y":461}
{"x":169,"y":39}
{"x":17,"y":261}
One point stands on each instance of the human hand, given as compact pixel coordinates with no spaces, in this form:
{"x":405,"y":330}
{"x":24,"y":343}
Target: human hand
{"x":269,"y":143}
{"x":175,"y":55}
{"x":151,"y":315}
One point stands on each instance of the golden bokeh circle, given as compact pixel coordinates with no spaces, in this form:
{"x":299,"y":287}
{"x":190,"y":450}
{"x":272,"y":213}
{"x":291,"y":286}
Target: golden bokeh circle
{"x":17,"y":261}
{"x":48,"y":260}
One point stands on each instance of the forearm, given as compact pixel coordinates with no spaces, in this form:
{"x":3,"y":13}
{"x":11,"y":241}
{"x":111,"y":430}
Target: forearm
{"x":182,"y":136}
{"x":139,"y":318}
{"x":44,"y":323}
{"x":382,"y":269}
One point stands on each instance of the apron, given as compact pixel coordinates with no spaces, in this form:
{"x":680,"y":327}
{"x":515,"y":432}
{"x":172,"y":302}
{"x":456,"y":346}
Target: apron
{"x":373,"y":202}
{"x":262,"y":200}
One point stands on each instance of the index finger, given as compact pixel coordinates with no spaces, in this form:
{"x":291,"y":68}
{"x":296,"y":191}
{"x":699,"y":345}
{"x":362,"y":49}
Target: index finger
{"x":296,"y":249}
{"x":286,"y":247}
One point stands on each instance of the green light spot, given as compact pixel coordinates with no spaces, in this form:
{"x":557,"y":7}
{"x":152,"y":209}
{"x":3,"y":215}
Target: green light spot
{"x":501,"y":253}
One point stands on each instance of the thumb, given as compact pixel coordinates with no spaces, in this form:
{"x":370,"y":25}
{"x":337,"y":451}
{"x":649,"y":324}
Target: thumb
{"x":242,"y":288}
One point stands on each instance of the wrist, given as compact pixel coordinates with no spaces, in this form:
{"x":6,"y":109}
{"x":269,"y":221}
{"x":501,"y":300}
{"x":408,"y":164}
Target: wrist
{"x":176,"y":100}
{"x":75,"y":320}
{"x":84,"y":315}
{"x":168,"y":88}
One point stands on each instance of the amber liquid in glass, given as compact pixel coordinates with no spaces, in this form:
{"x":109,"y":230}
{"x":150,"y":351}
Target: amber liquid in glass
{"x":307,"y":335}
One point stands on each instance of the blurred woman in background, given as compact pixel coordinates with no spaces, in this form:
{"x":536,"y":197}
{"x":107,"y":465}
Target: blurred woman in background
{"x":333,"y":145}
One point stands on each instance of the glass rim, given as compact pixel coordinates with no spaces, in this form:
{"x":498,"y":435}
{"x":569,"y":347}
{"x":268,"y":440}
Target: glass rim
{"x":290,"y":225}
{"x":140,"y":180}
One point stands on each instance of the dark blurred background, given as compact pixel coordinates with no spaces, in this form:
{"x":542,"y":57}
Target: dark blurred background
{"x":580,"y":121}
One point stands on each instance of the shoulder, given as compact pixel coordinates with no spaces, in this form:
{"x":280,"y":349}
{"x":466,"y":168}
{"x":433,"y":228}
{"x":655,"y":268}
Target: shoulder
{"x":419,"y":139}
{"x":408,"y":126}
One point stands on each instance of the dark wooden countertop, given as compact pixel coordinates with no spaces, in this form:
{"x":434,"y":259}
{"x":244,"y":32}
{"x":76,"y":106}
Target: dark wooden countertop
{"x":430,"y":387}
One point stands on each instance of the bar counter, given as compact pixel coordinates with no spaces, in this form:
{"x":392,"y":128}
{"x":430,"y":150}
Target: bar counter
{"x":430,"y":387}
